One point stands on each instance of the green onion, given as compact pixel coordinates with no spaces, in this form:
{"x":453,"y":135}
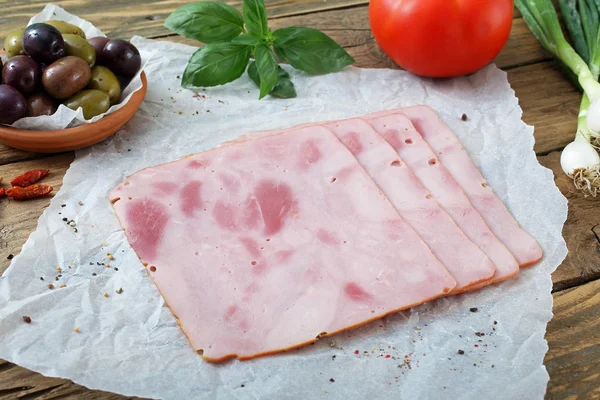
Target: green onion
{"x":579,"y":159}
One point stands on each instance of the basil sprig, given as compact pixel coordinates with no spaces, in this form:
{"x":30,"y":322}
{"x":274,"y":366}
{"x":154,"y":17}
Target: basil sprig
{"x":232,"y":38}
{"x":284,"y":88}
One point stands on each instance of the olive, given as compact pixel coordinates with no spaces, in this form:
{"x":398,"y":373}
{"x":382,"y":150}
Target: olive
{"x":44,"y":43}
{"x":122,"y":58}
{"x":65,"y":77}
{"x":103,"y":79}
{"x":79,"y":47}
{"x":22,"y":73}
{"x":98,"y":44}
{"x":13,"y":44}
{"x":41,"y":104}
{"x":13,"y":105}
{"x":66,"y":28}
{"x":94,"y":102}
{"x":124,"y":82}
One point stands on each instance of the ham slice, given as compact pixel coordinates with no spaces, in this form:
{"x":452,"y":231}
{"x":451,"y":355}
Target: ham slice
{"x":418,"y":156}
{"x":266,"y":245}
{"x":442,"y":187}
{"x":458,"y":163}
{"x":469,"y":265}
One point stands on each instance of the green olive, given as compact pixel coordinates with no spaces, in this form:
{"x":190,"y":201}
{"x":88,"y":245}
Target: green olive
{"x":79,"y":47}
{"x":103,"y":79}
{"x":94,"y":102}
{"x":66,"y":28}
{"x":13,"y":44}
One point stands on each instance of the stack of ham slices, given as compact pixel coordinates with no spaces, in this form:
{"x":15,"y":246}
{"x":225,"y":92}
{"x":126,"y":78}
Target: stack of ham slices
{"x":279,"y":238}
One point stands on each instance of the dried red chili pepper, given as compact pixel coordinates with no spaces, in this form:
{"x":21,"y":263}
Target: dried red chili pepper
{"x":29,"y":192}
{"x":29,"y":177}
{"x":2,"y":192}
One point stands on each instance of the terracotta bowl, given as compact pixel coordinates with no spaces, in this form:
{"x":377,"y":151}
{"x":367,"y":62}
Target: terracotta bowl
{"x":73,"y":138}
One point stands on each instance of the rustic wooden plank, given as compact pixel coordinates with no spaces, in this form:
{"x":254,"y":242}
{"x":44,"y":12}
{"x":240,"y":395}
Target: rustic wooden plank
{"x":550,"y":103}
{"x":20,"y":383}
{"x":146,"y":18}
{"x":521,"y":48}
{"x":573,"y":335}
{"x":581,"y":231}
{"x":19,"y":218}
{"x":8,"y":155}
{"x":123,"y":19}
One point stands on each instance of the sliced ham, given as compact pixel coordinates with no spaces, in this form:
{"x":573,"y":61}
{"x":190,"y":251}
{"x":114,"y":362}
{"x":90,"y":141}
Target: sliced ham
{"x":469,"y":265}
{"x":464,"y":171}
{"x":442,"y":187}
{"x":266,"y":245}
{"x":398,"y":131}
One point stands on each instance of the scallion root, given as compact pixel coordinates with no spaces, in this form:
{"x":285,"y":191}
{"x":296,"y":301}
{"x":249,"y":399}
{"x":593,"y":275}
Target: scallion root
{"x":587,"y":180}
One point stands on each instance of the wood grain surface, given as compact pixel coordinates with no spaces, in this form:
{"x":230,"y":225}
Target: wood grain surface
{"x":548,"y":100}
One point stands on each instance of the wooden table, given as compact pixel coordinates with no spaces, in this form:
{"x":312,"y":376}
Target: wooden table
{"x":549,"y":102}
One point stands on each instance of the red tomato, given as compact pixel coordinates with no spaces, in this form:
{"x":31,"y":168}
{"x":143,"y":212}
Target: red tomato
{"x":441,"y":38}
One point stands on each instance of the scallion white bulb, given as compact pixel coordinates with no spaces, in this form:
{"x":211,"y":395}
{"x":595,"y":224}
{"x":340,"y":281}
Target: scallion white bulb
{"x":578,"y":154}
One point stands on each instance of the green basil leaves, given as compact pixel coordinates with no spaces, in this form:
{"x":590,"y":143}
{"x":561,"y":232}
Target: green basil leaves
{"x":255,"y":17}
{"x":283,"y":89}
{"x":207,"y":22}
{"x":310,"y":50}
{"x":232,"y":38}
{"x":216,"y":64}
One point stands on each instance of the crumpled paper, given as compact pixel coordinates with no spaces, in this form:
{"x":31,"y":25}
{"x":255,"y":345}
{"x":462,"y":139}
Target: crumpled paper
{"x":64,"y":116}
{"x":129,"y":343}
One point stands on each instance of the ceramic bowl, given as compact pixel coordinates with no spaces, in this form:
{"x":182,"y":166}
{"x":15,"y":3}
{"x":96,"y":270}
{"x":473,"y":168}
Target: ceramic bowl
{"x":74,"y":138}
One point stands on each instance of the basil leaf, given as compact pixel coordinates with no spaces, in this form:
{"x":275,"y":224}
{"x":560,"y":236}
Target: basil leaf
{"x":267,"y":68}
{"x":216,"y":64}
{"x":255,"y":16}
{"x":247,"y":39}
{"x":208,"y":22}
{"x":253,"y":73}
{"x":284,"y":87}
{"x":310,"y":50}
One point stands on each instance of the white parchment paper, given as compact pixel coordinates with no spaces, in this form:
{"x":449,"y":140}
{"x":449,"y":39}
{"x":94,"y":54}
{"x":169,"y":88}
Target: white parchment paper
{"x":130,"y":343}
{"x":64,"y":116}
